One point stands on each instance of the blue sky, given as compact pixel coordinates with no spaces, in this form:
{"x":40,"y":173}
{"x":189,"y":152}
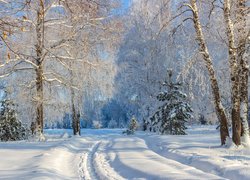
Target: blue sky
{"x":123,"y":8}
{"x":126,"y":3}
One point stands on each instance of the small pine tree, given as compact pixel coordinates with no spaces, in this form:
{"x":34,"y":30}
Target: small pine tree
{"x":11,"y":129}
{"x":132,"y":127}
{"x":202,"y":119}
{"x":170,"y":118}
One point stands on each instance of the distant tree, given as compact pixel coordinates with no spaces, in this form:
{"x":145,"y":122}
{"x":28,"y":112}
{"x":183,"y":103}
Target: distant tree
{"x":170,"y":118}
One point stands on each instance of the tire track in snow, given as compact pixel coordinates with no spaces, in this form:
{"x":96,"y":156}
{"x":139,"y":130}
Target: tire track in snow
{"x":87,"y":169}
{"x":93,"y":164}
{"x":104,"y":170}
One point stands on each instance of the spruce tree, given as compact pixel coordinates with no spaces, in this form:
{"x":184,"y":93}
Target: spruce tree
{"x":11,"y":129}
{"x":133,"y":124}
{"x":171,"y":116}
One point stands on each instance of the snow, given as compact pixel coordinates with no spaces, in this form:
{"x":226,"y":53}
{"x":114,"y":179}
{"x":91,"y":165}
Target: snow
{"x":107,"y":154}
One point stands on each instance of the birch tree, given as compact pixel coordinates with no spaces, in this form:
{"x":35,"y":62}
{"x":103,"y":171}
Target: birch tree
{"x":237,"y":66}
{"x":58,"y":47}
{"x":234,"y":69}
{"x":93,"y":27}
{"x":242,"y":30}
{"x":142,"y":58}
{"x":220,"y":111}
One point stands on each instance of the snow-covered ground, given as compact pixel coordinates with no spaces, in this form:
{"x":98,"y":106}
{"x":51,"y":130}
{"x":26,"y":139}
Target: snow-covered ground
{"x":107,"y":154}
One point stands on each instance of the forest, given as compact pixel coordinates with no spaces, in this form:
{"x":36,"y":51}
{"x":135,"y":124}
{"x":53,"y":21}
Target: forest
{"x":164,"y":67}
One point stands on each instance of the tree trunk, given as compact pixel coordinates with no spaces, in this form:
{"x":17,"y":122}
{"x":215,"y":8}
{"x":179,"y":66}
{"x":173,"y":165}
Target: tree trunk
{"x":75,"y":121}
{"x":234,"y":67}
{"x":224,"y":133}
{"x":244,"y":103}
{"x":39,"y":61}
{"x":244,"y":69}
{"x":39,"y":88}
{"x":75,"y":113}
{"x":78,"y":127}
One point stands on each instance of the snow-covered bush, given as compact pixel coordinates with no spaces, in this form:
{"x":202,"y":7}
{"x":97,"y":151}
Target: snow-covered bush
{"x":11,"y":129}
{"x":65,"y":135}
{"x":170,"y":118}
{"x":112,"y":124}
{"x":97,"y":124}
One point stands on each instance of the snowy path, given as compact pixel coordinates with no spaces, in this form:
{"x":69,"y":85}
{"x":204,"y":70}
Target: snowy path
{"x":103,"y":169}
{"x":88,"y":167}
{"x":109,"y":155}
{"x":135,"y":160}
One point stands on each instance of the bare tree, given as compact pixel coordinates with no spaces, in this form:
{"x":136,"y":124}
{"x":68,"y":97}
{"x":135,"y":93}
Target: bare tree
{"x":237,"y":65}
{"x":93,"y":26}
{"x":59,"y":44}
{"x":220,"y":111}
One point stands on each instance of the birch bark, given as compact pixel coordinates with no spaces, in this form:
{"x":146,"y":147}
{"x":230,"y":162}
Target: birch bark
{"x":220,"y":111}
{"x":234,"y":70}
{"x":39,"y":62}
{"x":242,"y":36}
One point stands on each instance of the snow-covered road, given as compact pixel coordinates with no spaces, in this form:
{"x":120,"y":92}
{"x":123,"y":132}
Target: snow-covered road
{"x":133,"y":159}
{"x":107,"y":154}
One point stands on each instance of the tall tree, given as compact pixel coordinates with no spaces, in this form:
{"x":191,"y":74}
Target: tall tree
{"x":237,"y":65}
{"x":220,"y":111}
{"x":234,"y":68}
{"x":50,"y":31}
{"x":91,"y":37}
{"x":242,"y":34}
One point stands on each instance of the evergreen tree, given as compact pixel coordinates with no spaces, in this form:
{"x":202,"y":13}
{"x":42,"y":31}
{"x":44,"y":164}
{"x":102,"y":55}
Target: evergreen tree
{"x":170,"y":118}
{"x":202,"y":119}
{"x":133,"y":124}
{"x":11,"y":129}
